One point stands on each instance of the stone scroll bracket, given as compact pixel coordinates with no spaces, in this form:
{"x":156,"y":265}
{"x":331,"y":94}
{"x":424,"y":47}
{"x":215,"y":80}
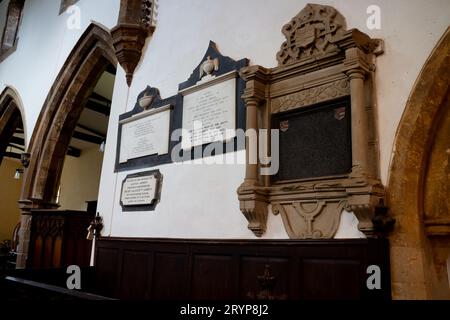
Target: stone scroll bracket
{"x":320,"y":63}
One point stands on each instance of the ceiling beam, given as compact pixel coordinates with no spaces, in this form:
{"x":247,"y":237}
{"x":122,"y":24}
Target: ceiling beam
{"x":17,"y":140}
{"x":88,"y":137}
{"x":101,"y":98}
{"x":13,"y":155}
{"x":111,"y":69}
{"x":98,"y":107}
{"x":98,"y":133}
{"x":73,"y":152}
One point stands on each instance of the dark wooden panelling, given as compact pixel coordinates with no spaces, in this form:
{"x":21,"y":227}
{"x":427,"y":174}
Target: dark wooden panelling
{"x":106,"y":274}
{"x":330,"y":279}
{"x":134,"y":273}
{"x":212,"y":277}
{"x":235,"y":269}
{"x":251,"y":266}
{"x":58,"y":239}
{"x":170,"y":276}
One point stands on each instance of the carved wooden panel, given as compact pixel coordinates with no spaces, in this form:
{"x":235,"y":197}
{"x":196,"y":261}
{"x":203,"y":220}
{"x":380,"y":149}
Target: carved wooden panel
{"x":58,"y":239}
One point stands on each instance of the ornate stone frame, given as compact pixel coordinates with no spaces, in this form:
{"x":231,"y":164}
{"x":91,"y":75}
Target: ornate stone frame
{"x":320,"y":61}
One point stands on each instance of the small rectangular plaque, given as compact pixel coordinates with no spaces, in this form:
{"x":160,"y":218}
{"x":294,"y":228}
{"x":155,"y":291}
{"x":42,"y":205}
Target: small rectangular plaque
{"x":141,"y":191}
{"x":145,"y":134}
{"x":209,"y":112}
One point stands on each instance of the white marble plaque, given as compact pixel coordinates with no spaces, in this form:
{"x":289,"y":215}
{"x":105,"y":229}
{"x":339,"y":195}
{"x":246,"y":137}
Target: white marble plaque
{"x":208,"y":113}
{"x":145,"y":134}
{"x":139,"y":191}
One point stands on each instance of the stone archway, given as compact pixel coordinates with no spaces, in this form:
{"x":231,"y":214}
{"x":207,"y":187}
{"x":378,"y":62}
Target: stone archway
{"x":11,"y":116}
{"x":61,"y":110}
{"x":421,"y":239}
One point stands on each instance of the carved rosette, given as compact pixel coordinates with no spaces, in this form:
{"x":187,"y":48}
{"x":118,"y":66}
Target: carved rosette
{"x":310,"y":33}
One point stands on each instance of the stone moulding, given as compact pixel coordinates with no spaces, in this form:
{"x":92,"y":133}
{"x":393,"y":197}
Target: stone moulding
{"x":319,"y":61}
{"x":325,"y":92}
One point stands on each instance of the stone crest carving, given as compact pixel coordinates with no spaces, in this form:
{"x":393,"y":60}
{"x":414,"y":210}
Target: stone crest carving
{"x":312,"y":32}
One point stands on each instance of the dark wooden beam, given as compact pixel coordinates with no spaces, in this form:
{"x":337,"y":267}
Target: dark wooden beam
{"x":88,"y":137}
{"x":111,"y":69}
{"x":17,"y":140}
{"x":98,"y":133}
{"x":13,"y":155}
{"x":100,"y":98}
{"x":73,"y":152}
{"x":98,"y":107}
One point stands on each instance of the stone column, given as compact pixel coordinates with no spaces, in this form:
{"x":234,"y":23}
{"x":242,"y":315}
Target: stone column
{"x":251,"y":174}
{"x":360,"y":127}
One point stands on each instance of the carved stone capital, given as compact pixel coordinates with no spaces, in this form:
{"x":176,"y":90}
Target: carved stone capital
{"x":356,"y":74}
{"x":356,"y":59}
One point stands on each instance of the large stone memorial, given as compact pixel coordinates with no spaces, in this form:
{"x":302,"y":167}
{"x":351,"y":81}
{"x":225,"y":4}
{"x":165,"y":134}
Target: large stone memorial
{"x":320,"y":99}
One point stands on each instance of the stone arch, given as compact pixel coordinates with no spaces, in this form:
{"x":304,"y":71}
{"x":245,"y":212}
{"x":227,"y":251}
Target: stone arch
{"x":12,"y":114}
{"x":61,"y":110}
{"x":414,"y":268}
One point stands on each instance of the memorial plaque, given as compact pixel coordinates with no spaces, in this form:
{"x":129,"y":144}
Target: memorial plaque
{"x":209,"y":112}
{"x":314,"y":141}
{"x":141,"y":191}
{"x":145,"y":134}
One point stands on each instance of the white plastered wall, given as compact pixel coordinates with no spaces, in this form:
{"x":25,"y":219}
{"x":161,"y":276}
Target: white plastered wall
{"x":45,"y":42}
{"x":201,"y":202}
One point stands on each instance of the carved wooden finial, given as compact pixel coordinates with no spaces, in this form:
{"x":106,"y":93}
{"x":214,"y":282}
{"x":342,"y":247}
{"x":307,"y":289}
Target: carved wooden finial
{"x":310,"y":33}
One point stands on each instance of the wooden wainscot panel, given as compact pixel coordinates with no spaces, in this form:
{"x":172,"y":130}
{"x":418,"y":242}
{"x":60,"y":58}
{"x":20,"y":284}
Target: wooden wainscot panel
{"x":240,"y":269}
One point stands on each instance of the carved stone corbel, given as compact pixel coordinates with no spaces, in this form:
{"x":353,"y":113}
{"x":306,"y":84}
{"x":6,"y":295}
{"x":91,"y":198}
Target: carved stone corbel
{"x":134,"y":26}
{"x":253,"y":204}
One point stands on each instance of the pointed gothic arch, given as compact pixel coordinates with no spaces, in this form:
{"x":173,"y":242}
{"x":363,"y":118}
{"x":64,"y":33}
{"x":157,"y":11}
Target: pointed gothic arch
{"x":417,"y":270}
{"x":12,"y":115}
{"x":62,"y":108}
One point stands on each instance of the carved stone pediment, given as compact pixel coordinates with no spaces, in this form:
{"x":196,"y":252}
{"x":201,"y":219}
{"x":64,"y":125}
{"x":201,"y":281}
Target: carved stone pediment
{"x":310,"y":33}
